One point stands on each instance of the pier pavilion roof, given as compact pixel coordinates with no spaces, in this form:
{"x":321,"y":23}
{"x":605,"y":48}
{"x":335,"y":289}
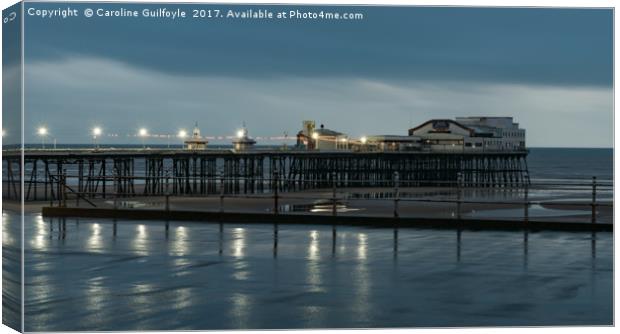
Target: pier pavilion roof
{"x":328,"y":133}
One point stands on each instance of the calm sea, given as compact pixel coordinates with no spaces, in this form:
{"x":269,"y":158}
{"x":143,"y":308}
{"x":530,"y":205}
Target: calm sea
{"x":571,"y":163}
{"x":91,"y":274}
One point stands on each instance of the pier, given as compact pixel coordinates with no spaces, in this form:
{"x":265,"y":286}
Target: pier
{"x":125,"y":173}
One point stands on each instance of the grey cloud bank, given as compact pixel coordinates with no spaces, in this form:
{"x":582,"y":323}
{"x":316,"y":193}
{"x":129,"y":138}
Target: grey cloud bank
{"x":549,"y":68}
{"x":552,"y":46}
{"x":80,"y":90}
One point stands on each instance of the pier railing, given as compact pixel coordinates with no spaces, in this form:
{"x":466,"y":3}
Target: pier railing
{"x":397,"y":198}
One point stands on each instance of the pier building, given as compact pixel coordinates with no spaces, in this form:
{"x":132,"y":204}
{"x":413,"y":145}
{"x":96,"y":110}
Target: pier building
{"x":196,"y":142}
{"x":321,"y":139}
{"x":506,"y":133}
{"x":470,"y":134}
{"x":243,"y":141}
{"x":391,"y":143}
{"x":465,"y":134}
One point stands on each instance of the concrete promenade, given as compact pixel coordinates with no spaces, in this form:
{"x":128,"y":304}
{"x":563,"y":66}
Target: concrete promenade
{"x":318,"y":207}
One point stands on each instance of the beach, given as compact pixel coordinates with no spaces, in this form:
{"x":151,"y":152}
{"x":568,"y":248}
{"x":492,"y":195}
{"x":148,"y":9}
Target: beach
{"x":150,"y":275}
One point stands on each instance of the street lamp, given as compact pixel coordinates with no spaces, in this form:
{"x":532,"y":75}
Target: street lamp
{"x":42,"y":131}
{"x":96,"y":133}
{"x":143,"y":133}
{"x":182,"y":134}
{"x":344,"y":143}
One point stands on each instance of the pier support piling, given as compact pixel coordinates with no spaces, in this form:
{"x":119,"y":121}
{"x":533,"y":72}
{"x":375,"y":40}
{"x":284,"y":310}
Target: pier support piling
{"x":396,"y":194}
{"x":594,"y":200}
{"x":191,"y":173}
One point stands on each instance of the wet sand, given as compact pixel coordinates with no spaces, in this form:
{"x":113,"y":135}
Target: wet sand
{"x":155,"y":275}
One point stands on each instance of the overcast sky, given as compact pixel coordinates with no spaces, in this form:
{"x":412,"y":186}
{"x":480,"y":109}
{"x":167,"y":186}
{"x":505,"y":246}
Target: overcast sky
{"x":551,"y":69}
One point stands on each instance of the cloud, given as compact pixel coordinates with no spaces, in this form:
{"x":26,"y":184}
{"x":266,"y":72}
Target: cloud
{"x":11,"y":104}
{"x":557,"y":46}
{"x":73,"y":94}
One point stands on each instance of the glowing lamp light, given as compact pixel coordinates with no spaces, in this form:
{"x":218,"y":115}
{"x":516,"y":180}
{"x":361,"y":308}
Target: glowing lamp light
{"x":315,"y":136}
{"x":363,"y":140}
{"x":143,"y":133}
{"x":239,"y":133}
{"x":182,"y":134}
{"x":42,"y":131}
{"x":97,"y":131}
{"x":344,"y":140}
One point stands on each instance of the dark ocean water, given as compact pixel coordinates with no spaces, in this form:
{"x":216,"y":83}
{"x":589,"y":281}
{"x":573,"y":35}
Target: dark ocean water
{"x":127,"y":275}
{"x":571,"y":163}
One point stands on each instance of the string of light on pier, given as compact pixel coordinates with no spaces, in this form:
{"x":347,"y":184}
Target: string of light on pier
{"x":143,"y":133}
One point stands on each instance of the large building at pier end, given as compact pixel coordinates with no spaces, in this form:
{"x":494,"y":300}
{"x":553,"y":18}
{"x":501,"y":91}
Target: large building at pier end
{"x":463,"y":134}
{"x":470,"y":134}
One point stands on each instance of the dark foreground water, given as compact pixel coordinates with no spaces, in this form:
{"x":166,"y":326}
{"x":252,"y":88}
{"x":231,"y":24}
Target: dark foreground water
{"x":91,"y":275}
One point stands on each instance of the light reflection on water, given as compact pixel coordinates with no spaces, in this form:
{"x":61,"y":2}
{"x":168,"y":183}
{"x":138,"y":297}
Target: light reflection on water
{"x":141,"y":240}
{"x":362,"y":280}
{"x":95,"y":239}
{"x":181,"y":245}
{"x":102,"y":275}
{"x":238,"y":243}
{"x":312,"y":264}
